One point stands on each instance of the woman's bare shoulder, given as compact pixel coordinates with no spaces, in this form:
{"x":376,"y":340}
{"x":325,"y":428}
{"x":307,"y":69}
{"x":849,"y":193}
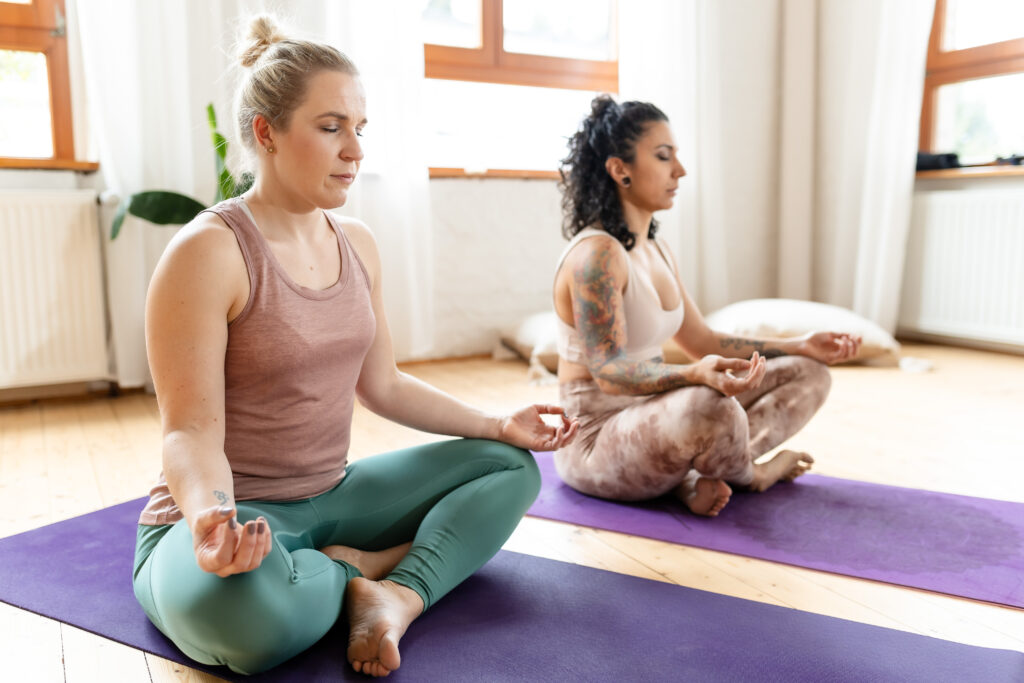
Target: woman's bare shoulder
{"x":599,"y":250}
{"x":362,"y":240}
{"x":205,"y":231}
{"x":204,"y":253}
{"x":354,"y":228}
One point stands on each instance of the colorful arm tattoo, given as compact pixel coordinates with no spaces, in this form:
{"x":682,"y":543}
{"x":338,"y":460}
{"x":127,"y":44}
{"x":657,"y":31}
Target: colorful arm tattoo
{"x":601,"y":324}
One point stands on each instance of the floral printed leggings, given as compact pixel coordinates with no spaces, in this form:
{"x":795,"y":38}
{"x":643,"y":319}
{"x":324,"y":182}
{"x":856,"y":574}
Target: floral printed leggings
{"x":640,"y":447}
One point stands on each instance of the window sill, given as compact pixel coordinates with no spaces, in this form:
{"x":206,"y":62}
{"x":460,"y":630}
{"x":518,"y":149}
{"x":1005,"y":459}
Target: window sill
{"x":436,"y":172}
{"x":974,"y":172}
{"x":50,"y":164}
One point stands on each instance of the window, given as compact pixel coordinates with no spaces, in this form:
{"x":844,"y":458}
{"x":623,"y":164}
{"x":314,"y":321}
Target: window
{"x":974,"y":89}
{"x":509,"y":80}
{"x":35,"y":94}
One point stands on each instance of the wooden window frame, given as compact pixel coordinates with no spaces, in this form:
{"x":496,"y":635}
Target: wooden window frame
{"x":490,"y":63}
{"x":945,"y":67}
{"x":34,"y":28}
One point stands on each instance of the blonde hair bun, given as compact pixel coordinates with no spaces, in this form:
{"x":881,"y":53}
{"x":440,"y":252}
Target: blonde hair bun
{"x":262,"y":34}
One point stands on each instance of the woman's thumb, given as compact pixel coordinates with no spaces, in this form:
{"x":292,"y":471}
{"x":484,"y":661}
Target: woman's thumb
{"x":211,"y":517}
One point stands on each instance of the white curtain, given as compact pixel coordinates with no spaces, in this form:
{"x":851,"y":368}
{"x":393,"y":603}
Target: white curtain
{"x":150,"y":68}
{"x":797,"y":121}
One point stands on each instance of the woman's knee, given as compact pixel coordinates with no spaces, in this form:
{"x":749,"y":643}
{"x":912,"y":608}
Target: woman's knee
{"x":716,"y":433}
{"x":520,"y":464}
{"x":239,"y":623}
{"x":711,"y":412}
{"x":248,"y":622}
{"x":814,"y":375}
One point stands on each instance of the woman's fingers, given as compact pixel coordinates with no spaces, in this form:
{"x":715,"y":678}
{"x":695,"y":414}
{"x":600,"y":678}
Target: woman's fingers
{"x":565,"y":435}
{"x":266,"y":540}
{"x":732,"y":385}
{"x":214,"y":538}
{"x":246,"y":548}
{"x":562,"y":436}
{"x":210,"y":518}
{"x":545,"y":409}
{"x":252,"y":542}
{"x":724,"y":364}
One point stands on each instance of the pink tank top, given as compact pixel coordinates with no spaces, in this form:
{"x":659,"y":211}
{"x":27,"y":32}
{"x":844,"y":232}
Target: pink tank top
{"x":293,"y":357}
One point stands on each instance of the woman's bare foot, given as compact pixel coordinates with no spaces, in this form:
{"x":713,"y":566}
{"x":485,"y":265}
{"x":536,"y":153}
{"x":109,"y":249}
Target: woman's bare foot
{"x":784,"y":466}
{"x":372,"y":565}
{"x":378,"y":612}
{"x":703,"y":495}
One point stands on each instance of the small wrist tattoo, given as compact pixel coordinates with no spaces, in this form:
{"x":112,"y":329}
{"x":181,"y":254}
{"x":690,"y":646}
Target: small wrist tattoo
{"x":221,"y":496}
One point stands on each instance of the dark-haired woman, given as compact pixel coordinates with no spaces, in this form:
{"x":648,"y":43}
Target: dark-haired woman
{"x":648,"y":427}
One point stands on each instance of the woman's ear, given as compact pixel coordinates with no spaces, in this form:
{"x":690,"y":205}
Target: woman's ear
{"x":262,"y":132}
{"x":616,"y":168}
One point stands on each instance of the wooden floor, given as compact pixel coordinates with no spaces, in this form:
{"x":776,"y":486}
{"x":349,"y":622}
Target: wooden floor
{"x":956,"y":429}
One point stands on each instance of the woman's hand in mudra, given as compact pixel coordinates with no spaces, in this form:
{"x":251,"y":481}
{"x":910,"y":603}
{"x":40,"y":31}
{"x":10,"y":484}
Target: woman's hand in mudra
{"x":225,"y":547}
{"x":730,"y":376}
{"x":526,"y":429}
{"x":829,"y":347}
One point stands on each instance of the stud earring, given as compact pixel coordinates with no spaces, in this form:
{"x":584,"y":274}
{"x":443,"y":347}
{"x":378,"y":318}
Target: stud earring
{"x":270,"y":150}
{"x":626,"y":181}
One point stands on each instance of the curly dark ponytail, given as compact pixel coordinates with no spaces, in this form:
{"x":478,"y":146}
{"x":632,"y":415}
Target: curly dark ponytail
{"x":589,"y":194}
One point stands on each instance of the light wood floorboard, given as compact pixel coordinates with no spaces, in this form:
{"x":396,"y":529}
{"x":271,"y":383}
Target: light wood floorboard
{"x":956,"y":429}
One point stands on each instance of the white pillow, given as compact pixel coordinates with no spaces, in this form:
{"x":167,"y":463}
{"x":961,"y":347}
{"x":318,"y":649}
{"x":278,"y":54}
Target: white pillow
{"x":791,"y":318}
{"x":535,"y":340}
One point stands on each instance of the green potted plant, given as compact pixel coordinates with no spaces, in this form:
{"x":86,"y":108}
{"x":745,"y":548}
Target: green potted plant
{"x":163,"y":207}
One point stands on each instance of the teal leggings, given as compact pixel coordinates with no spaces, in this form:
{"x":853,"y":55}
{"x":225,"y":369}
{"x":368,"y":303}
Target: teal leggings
{"x":457,"y":501}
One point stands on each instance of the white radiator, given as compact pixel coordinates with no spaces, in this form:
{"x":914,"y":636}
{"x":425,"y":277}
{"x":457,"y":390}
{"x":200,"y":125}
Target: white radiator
{"x":52,"y":313}
{"x":964,"y":275}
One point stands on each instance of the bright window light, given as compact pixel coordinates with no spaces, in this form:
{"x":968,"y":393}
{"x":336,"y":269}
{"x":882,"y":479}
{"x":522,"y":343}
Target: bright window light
{"x":980,"y":120}
{"x":970,"y":23}
{"x":452,"y":22}
{"x":25,"y":130}
{"x":480,"y":126}
{"x":577,"y":29}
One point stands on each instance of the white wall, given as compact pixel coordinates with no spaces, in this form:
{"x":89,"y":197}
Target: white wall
{"x":496,"y":243}
{"x":16,"y":179}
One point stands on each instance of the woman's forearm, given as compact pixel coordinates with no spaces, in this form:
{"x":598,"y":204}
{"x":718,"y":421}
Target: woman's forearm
{"x":416,"y":404}
{"x":197,"y":473}
{"x":622,"y":376}
{"x":733,"y":346}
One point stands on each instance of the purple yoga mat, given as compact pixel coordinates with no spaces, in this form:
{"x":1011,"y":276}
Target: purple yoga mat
{"x":519,"y":618}
{"x":970,"y":547}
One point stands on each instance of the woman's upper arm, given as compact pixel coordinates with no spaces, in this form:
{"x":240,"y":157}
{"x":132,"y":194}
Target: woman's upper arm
{"x":197,"y":283}
{"x":598,"y":274}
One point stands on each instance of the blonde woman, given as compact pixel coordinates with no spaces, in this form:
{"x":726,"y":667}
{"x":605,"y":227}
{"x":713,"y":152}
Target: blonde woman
{"x":264,"y":322}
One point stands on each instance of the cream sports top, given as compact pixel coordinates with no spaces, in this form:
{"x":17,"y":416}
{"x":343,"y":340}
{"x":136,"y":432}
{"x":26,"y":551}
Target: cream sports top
{"x":648,"y":325}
